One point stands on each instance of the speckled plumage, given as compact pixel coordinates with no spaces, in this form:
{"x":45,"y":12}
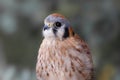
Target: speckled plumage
{"x":64,"y":59}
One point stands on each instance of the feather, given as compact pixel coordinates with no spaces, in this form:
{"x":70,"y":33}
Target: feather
{"x":64,"y":60}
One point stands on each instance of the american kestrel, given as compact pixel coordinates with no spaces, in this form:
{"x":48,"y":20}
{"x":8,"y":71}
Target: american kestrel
{"x":63,"y":55}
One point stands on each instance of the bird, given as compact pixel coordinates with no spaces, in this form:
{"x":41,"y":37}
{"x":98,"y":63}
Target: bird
{"x":63,"y":54}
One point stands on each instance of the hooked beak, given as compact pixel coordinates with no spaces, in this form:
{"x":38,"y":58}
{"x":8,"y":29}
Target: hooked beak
{"x":45,"y":27}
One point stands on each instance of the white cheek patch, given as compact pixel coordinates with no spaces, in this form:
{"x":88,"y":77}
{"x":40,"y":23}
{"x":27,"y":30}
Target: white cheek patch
{"x":48,"y":33}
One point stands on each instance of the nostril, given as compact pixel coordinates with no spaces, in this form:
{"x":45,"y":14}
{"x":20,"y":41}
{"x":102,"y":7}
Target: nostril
{"x":45,"y":28}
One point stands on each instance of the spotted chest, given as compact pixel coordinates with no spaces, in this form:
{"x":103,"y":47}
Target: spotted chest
{"x":62,"y":60}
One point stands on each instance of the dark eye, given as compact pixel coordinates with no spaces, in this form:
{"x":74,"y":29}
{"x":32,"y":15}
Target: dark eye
{"x":58,"y":24}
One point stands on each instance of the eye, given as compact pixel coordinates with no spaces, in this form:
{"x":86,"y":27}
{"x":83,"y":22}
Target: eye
{"x":58,"y":24}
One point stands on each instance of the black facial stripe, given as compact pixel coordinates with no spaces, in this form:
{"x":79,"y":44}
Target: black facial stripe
{"x":73,"y":33}
{"x":66,"y":33}
{"x":54,"y":31}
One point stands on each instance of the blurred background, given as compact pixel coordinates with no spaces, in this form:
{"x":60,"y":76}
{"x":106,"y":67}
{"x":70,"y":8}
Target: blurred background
{"x":21,"y":22}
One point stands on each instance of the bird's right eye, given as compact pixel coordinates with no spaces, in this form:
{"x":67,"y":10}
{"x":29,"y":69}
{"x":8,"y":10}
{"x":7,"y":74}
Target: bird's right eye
{"x":58,"y":24}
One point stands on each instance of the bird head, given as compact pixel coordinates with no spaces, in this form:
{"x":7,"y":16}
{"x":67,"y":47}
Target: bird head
{"x":57,"y":26}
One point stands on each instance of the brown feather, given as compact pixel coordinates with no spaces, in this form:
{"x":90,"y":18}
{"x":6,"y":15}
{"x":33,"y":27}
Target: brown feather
{"x":71,"y":33}
{"x":64,"y":59}
{"x":58,"y":15}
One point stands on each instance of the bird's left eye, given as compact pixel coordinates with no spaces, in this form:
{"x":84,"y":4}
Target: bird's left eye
{"x":58,"y":24}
